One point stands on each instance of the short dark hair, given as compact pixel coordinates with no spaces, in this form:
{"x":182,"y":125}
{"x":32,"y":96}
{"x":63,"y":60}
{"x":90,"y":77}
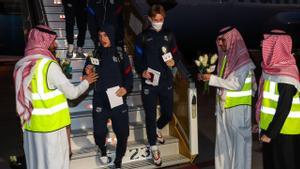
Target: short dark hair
{"x":156,"y":9}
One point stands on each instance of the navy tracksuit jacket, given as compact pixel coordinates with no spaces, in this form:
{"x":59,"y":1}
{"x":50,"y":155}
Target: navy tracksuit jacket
{"x":112,"y":71}
{"x":149,"y":53}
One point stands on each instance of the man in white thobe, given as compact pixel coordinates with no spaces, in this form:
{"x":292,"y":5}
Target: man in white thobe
{"x":235,"y":84}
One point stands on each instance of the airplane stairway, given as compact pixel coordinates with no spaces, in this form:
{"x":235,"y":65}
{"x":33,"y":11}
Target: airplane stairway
{"x":85,"y":153}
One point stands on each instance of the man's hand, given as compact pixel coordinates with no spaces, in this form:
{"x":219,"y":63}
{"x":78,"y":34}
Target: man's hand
{"x":204,"y":77}
{"x":121,"y":92}
{"x":265,"y":139}
{"x":89,"y":69}
{"x":170,"y":63}
{"x":146,"y":75}
{"x":91,"y":78}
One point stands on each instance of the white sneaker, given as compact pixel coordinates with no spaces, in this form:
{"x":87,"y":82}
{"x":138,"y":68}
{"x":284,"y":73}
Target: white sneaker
{"x":70,"y":50}
{"x":103,"y":160}
{"x":156,"y":155}
{"x":159,"y":137}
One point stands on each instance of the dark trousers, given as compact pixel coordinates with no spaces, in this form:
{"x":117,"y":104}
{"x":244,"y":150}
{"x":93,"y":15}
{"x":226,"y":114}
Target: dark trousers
{"x":120,"y":124}
{"x":282,"y":152}
{"x":75,"y":10}
{"x":101,"y":12}
{"x":151,"y":95}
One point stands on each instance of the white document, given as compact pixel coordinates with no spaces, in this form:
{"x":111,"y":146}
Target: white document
{"x":114,"y":100}
{"x":168,"y":56}
{"x":154,"y":80}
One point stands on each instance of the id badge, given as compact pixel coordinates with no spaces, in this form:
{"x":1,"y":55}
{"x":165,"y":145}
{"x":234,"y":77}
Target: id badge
{"x":94,"y":61}
{"x":168,"y":56}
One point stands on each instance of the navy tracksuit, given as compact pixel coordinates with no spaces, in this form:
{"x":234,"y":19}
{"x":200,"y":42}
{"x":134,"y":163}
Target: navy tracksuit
{"x":104,"y":11}
{"x":75,"y":9}
{"x":149,"y":54}
{"x":112,"y":71}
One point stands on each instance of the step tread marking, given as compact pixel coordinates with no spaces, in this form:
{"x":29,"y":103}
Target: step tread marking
{"x":93,"y":150}
{"x":169,"y":160}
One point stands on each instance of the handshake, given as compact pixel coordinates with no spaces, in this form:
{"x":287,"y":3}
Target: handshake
{"x":90,"y":76}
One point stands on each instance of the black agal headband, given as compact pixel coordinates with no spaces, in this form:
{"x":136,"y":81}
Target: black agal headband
{"x":226,"y":30}
{"x":276,"y":33}
{"x":45,"y":30}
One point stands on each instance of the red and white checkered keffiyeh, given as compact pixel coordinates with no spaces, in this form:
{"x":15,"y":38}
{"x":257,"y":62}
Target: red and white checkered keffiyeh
{"x":37,"y":47}
{"x":237,"y":53}
{"x":277,"y":60}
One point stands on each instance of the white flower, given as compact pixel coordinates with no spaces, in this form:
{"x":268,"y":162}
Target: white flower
{"x":197,"y":62}
{"x":201,"y":58}
{"x":211,"y":69}
{"x":213,"y":59}
{"x":164,"y":49}
{"x":205,"y":60}
{"x":58,"y":54}
{"x":90,"y":54}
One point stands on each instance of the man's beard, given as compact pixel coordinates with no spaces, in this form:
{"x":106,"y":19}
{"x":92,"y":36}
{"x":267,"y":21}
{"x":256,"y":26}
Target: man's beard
{"x":53,"y":51}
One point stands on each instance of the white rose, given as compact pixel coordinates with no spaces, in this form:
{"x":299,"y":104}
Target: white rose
{"x":164,"y":49}
{"x":205,"y":60}
{"x":213,"y":59}
{"x":211,"y":69}
{"x":197,"y":62}
{"x":201,"y":58}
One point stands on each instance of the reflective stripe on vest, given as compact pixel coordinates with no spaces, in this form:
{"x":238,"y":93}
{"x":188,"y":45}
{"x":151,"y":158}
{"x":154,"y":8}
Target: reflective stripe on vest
{"x":241,"y":97}
{"x":50,"y":107}
{"x":291,"y":125}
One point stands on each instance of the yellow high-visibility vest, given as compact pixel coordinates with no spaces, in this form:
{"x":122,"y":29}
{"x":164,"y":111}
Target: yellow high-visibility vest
{"x":240,"y":97}
{"x":50,"y":107}
{"x":291,"y":125}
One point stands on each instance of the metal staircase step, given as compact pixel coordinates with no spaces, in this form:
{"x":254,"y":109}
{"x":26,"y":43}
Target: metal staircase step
{"x":57,"y":24}
{"x":61,"y":33}
{"x":63,"y":44}
{"x":50,"y":3}
{"x":84,"y":139}
{"x":168,"y":161}
{"x":83,"y":120}
{"x":58,"y":9}
{"x":55,"y":17}
{"x":137,"y":152}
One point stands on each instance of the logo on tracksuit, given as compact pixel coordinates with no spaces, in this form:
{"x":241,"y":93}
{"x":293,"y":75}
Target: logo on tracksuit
{"x":146,"y":91}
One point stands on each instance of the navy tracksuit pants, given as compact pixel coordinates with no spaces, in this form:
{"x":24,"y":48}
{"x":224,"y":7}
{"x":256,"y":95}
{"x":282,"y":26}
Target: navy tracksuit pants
{"x":120,"y":123}
{"x":150,"y":95}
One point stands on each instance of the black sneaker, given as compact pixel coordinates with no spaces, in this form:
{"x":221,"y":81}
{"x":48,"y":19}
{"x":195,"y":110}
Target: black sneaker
{"x":118,"y":164}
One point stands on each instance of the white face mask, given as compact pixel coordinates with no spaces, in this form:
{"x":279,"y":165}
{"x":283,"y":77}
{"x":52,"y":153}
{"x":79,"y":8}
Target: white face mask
{"x":157,"y":25}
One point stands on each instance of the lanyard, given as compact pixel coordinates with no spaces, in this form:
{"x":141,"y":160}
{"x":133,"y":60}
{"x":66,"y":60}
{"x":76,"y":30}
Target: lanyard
{"x":224,"y":62}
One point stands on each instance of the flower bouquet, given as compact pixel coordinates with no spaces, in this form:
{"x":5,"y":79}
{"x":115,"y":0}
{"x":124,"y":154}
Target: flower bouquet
{"x":66,"y":67}
{"x":206,"y":64}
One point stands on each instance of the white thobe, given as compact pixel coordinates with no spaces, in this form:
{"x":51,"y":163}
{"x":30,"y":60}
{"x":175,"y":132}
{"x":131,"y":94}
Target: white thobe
{"x":233,"y":136}
{"x":51,"y":150}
